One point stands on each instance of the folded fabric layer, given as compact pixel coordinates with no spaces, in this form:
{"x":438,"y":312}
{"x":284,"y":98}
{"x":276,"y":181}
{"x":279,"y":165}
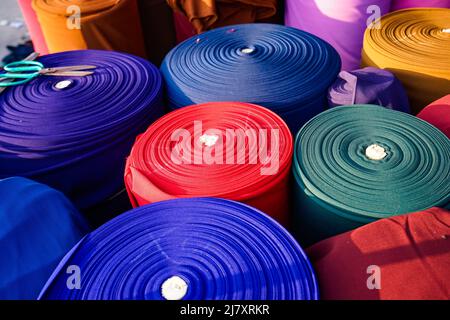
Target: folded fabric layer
{"x":34,"y":29}
{"x":341,"y":23}
{"x":368,"y":86}
{"x":228,"y":150}
{"x":193,"y":249}
{"x":158,"y":29}
{"x":284,"y":69}
{"x":404,"y":4}
{"x":85,"y":24}
{"x":438,"y":114}
{"x":414,"y":45}
{"x":404,"y":257}
{"x":356,"y":164}
{"x":75,"y":137}
{"x":38,"y":225}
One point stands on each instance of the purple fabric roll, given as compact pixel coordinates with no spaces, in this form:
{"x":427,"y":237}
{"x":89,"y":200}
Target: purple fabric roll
{"x":341,"y":23}
{"x":403,"y":4}
{"x":368,"y":86}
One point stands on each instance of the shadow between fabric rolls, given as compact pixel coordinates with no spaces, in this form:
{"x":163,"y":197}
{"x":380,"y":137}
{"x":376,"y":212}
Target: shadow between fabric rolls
{"x":356,"y":164}
{"x":193,"y":249}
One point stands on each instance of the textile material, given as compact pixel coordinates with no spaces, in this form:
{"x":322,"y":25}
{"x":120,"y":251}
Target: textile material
{"x":280,"y":68}
{"x":84,"y":24}
{"x":340,"y":23}
{"x":38,"y":225}
{"x":404,"y":4}
{"x":76,"y":139}
{"x":33,"y":26}
{"x":249,"y":159}
{"x":411,"y":251}
{"x":221,"y":250}
{"x":438,"y":114}
{"x":356,"y":164}
{"x":368,"y":86}
{"x":414,"y":45}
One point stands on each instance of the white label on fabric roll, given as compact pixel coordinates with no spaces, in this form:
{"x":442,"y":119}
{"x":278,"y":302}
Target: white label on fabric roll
{"x":209,"y":140}
{"x":375,"y":152}
{"x":174,"y":288}
{"x":63,"y":84}
{"x":247,"y":50}
{"x":446,"y":30}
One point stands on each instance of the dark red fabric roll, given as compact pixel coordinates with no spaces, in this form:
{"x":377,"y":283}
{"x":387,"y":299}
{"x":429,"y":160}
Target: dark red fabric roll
{"x":230,"y":150}
{"x":403,"y":257}
{"x":438,"y":114}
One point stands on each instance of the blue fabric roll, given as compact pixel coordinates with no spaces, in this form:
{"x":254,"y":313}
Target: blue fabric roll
{"x":38,"y":226}
{"x":281,"y":68}
{"x":220,"y":249}
{"x":76,"y":139}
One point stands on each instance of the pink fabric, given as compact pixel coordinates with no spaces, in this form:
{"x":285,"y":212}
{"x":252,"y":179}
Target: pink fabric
{"x":33,"y":26}
{"x":403,"y":4}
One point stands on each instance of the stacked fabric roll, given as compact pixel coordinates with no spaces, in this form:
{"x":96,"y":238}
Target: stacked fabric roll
{"x":356,"y":164}
{"x":405,"y":4}
{"x":38,"y":225}
{"x":33,"y":26}
{"x":403,"y":257}
{"x":229,"y":150}
{"x":284,"y":69}
{"x":414,"y":45}
{"x":438,"y":114}
{"x":341,"y":23}
{"x":84,"y":24}
{"x":73,"y":133}
{"x":368,"y":86}
{"x":193,"y":249}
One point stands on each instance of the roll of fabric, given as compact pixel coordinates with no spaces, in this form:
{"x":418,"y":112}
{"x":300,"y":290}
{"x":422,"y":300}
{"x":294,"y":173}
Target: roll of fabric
{"x":414,"y":45}
{"x":356,"y":164}
{"x":404,"y":4}
{"x":193,"y":249}
{"x":37,"y":37}
{"x":340,"y":23}
{"x":228,"y":150}
{"x":368,"y":86}
{"x":38,"y":226}
{"x":85,"y":24}
{"x":284,"y":69}
{"x":158,"y":28}
{"x":438,"y":114}
{"x":398,"y":258}
{"x":76,"y":138}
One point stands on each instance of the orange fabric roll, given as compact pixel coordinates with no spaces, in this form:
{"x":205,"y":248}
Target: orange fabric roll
{"x":209,"y":14}
{"x":103,"y":24}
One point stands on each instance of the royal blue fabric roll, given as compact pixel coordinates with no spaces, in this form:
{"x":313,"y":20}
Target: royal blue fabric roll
{"x":368,"y":86}
{"x":38,"y":226}
{"x":76,"y":139}
{"x":194,"y":249}
{"x":281,"y":68}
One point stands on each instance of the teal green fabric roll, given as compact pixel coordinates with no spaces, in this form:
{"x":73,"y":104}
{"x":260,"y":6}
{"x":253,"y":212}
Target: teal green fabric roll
{"x":356,"y":164}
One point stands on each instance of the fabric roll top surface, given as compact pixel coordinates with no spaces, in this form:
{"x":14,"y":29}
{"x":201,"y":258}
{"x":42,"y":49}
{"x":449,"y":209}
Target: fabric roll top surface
{"x":368,"y":86}
{"x":411,"y":250}
{"x":284,"y":69}
{"x":86,"y":24}
{"x":76,"y":138}
{"x":341,"y":23}
{"x":227,"y":150}
{"x":405,"y":4}
{"x":193,"y":249}
{"x":438,"y":114}
{"x":414,"y":44}
{"x":38,"y":226}
{"x":33,"y":26}
{"x":356,"y":164}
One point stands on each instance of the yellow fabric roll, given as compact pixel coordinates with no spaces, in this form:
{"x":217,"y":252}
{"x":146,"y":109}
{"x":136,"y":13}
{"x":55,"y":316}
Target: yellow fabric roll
{"x":104,"y":24}
{"x":414,"y":44}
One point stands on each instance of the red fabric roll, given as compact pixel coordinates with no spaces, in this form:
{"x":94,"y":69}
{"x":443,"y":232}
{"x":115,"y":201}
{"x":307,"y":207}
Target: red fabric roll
{"x":438,"y":114}
{"x":33,"y":26}
{"x":219,"y":158}
{"x":411,"y":251}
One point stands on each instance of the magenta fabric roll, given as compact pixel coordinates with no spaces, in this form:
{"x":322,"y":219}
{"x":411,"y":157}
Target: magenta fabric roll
{"x":403,"y":4}
{"x":33,"y":26}
{"x":341,"y":23}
